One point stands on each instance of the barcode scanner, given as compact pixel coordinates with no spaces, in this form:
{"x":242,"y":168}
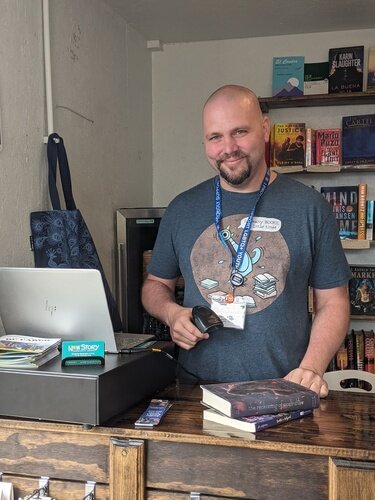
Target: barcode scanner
{"x":205,"y":319}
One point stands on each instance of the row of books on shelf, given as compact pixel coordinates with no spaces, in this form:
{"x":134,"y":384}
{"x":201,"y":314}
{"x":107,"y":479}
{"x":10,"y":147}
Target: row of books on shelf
{"x":295,"y":146}
{"x":353,"y":211}
{"x":356,"y":353}
{"x":343,"y":71}
{"x":257,"y":405}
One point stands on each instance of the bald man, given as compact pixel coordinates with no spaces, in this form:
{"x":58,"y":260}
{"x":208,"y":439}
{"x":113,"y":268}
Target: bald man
{"x":254,"y":241}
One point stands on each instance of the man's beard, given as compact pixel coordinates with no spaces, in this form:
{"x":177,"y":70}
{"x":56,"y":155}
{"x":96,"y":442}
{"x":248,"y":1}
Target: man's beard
{"x":237,"y":178}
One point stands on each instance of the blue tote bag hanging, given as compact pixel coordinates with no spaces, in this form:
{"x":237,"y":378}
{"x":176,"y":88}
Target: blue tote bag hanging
{"x":60,"y":237}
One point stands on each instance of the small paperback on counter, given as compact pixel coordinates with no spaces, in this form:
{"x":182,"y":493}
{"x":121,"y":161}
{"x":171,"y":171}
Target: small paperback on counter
{"x":254,"y":423}
{"x":258,"y":397}
{"x":153,"y":413}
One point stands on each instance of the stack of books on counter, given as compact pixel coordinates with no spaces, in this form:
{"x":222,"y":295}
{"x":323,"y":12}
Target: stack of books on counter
{"x":20,"y":351}
{"x":258,"y":404}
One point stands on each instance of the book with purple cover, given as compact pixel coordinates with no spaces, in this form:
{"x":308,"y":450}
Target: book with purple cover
{"x":258,"y":397}
{"x":255,"y":423}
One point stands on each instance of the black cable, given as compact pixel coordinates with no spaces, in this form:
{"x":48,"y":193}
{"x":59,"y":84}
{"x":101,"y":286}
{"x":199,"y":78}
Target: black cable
{"x":169,"y":356}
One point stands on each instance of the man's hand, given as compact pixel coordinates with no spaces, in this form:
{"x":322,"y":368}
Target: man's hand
{"x":183,"y":331}
{"x":310,"y":379}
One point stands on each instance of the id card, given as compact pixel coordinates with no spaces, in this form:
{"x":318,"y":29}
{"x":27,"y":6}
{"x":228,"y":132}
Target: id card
{"x":233,"y":314}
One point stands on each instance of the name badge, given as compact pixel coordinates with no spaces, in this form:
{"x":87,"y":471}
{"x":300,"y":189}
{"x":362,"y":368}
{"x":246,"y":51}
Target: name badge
{"x":232,"y":315}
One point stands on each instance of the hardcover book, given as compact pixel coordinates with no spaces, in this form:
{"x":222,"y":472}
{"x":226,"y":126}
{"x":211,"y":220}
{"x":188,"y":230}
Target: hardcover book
{"x":346,"y":69}
{"x":369,"y":340}
{"x":255,"y":423}
{"x":258,"y":397}
{"x":362,"y":291}
{"x":362,"y":198}
{"x":328,"y":146}
{"x":370,"y":219}
{"x":288,"y":145}
{"x":371,"y":70}
{"x":316,"y":78}
{"x":310,"y":149}
{"x":344,"y":202}
{"x":358,"y":139}
{"x":288,"y":76}
{"x":359,"y":349}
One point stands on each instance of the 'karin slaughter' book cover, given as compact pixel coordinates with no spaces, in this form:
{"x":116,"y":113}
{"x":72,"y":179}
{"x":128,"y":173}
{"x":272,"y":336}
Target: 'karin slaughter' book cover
{"x":258,"y":397}
{"x":346,"y":69}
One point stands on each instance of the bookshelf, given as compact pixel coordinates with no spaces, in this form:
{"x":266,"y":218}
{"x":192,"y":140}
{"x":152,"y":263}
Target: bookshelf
{"x":357,"y":244}
{"x":317,"y":100}
{"x":335,"y":379}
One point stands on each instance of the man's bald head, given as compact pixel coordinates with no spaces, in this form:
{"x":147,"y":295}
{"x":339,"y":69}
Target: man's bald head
{"x":228,"y":93}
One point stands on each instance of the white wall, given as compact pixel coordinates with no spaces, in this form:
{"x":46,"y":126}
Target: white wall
{"x":185,"y":74}
{"x":22,"y":169}
{"x":101,"y":69}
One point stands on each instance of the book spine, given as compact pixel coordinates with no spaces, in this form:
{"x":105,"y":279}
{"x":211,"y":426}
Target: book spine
{"x":272,"y":146}
{"x":351,"y":358}
{"x":369,"y":342}
{"x":341,"y":358}
{"x":310,"y":147}
{"x":362,"y":195}
{"x":282,"y":403}
{"x":370,"y":220}
{"x":359,"y":350}
{"x":281,"y":419}
{"x":310,"y":299}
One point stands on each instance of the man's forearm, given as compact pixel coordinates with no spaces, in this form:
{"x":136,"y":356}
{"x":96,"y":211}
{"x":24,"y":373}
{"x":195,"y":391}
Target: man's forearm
{"x":328,"y":331}
{"x":158,"y":299}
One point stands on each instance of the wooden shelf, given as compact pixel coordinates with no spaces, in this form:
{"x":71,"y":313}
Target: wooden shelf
{"x":362,"y":317}
{"x":349,"y":98}
{"x":356,"y":244}
{"x":325,"y":169}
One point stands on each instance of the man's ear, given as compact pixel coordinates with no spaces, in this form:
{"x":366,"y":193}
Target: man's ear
{"x":266,"y":128}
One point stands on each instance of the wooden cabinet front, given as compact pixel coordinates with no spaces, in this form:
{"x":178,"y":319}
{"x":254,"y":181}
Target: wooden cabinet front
{"x":330,"y":455}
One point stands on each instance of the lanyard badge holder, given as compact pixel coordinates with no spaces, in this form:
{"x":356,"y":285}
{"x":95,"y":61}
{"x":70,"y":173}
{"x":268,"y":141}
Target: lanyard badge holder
{"x":232,"y":311}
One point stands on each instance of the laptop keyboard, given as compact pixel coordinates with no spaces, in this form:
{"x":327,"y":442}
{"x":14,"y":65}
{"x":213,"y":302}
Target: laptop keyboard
{"x":133,"y":340}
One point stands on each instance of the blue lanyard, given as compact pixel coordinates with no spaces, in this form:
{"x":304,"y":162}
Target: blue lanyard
{"x":238,"y":257}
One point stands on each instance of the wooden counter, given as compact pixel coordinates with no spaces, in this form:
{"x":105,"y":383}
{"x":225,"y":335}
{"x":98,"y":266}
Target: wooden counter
{"x":330,"y":455}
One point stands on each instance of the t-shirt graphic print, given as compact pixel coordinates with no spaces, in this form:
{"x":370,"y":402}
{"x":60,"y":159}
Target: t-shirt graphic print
{"x":264,"y":267}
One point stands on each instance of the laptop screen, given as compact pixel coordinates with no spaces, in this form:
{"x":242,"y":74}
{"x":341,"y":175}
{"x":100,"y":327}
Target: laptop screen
{"x":45,"y":302}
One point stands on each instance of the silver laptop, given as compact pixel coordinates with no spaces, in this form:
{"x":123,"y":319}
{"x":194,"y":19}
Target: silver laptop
{"x":66,"y":303}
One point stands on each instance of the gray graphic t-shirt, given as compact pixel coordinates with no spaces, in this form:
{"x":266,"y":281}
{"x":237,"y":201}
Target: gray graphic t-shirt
{"x":293,"y":243}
